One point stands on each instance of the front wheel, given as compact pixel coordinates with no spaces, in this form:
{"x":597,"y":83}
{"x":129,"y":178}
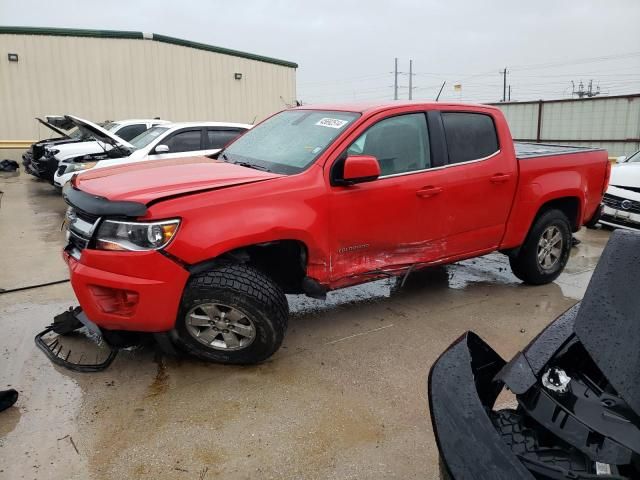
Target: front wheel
{"x":546,"y":250}
{"x":232,"y":314}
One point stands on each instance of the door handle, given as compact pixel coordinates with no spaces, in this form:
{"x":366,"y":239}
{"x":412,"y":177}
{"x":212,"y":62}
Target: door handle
{"x":429,"y":191}
{"x":500,"y":178}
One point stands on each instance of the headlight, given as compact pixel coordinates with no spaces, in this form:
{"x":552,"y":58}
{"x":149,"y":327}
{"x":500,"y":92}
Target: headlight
{"x":135,"y":236}
{"x":78,"y":167}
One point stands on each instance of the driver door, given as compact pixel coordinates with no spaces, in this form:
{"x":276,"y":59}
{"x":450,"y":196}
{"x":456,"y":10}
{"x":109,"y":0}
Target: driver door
{"x":382,"y":224}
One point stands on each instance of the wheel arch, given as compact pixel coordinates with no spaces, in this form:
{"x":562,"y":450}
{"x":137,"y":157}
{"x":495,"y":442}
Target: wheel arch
{"x":283,"y":260}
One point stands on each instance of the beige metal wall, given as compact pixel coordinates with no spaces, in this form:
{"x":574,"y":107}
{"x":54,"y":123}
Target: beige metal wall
{"x":111,"y":78}
{"x":612,"y":123}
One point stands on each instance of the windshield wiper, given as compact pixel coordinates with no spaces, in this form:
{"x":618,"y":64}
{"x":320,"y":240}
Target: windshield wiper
{"x":243,"y":164}
{"x":251,"y":165}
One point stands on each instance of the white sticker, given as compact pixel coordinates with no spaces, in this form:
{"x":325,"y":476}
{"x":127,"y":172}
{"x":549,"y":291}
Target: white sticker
{"x":332,"y":123}
{"x":603,"y":469}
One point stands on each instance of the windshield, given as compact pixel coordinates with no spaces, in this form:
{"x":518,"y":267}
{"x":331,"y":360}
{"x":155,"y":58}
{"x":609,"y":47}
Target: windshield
{"x":290,"y":141}
{"x":148,"y":136}
{"x":634,"y":158}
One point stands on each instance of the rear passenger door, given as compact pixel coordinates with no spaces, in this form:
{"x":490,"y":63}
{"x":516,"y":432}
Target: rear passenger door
{"x":183,"y":143}
{"x":480,"y":183}
{"x":219,"y":137}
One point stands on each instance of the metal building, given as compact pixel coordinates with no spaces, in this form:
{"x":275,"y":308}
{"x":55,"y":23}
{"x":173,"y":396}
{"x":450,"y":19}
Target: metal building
{"x":611,"y":122}
{"x":112,"y":75}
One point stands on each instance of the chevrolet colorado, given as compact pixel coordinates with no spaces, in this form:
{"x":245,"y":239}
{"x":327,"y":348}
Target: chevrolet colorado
{"x":314,"y":199}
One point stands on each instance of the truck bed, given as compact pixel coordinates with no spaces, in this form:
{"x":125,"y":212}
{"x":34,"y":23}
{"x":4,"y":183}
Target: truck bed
{"x":526,"y":150}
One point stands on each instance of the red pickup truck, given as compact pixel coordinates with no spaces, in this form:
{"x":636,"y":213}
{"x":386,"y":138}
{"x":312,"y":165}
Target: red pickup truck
{"x":315,"y":199}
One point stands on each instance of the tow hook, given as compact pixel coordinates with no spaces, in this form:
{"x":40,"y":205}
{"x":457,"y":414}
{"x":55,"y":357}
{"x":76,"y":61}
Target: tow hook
{"x":556,"y":380}
{"x":72,"y":329}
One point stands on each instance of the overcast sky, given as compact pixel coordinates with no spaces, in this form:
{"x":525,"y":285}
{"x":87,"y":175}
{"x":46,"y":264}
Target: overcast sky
{"x":346,"y":49}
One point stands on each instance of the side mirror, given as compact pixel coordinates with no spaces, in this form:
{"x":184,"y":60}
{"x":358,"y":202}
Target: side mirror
{"x":360,"y":168}
{"x":621,"y":159}
{"x":162,"y":149}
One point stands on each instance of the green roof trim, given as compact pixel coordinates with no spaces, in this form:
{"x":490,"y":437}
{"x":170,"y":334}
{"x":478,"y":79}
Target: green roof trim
{"x":78,"y":32}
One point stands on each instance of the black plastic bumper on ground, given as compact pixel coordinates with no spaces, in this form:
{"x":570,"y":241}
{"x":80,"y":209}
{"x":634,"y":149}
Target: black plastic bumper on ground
{"x":461,"y":392}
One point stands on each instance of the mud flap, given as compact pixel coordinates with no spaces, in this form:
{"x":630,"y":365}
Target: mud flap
{"x":68,"y":325}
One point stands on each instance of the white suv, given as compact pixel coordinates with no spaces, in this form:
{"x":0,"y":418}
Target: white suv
{"x":162,"y":141}
{"x":124,"y":129}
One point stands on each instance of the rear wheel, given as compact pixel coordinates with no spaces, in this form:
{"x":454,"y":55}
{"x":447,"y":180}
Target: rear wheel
{"x":232,"y":314}
{"x":546,"y":250}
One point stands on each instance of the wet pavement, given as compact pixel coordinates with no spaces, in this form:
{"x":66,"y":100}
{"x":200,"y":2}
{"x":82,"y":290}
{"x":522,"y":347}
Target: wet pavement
{"x":344,"y":398}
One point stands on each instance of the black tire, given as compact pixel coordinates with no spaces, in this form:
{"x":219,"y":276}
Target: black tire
{"x":251,"y":293}
{"x":526,"y":265}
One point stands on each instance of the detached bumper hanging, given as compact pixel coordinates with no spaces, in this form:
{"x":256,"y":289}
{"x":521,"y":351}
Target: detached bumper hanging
{"x":67,"y":325}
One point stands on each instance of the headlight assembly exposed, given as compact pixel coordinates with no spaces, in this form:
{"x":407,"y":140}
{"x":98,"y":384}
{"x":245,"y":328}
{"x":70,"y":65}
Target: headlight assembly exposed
{"x":79,"y":167}
{"x":135,"y":236}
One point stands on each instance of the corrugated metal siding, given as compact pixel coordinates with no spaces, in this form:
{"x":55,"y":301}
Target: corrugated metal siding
{"x":522,"y":119}
{"x":587,"y":122}
{"x":113,"y":78}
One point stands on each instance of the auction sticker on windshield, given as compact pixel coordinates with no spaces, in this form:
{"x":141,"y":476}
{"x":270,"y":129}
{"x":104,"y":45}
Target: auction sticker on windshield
{"x":332,"y":123}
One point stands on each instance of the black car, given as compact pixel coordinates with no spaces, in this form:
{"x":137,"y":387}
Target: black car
{"x":576,"y":384}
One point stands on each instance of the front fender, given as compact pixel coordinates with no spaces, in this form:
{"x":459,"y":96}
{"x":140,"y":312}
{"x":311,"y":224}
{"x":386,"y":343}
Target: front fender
{"x":461,"y":392}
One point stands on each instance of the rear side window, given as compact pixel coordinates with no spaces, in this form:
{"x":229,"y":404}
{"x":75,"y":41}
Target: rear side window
{"x":470,"y":136}
{"x":131,"y":131}
{"x":185,"y":141}
{"x":221,"y":138}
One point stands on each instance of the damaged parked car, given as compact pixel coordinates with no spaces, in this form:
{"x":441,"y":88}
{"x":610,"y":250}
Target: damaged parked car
{"x":577,"y":411}
{"x":200,"y":253}
{"x":66,"y":131}
{"x":159,"y":142}
{"x":46,"y":165}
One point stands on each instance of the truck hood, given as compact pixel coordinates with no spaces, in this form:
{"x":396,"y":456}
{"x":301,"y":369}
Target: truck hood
{"x":99,"y":133}
{"x":626,"y":175}
{"x":149,"y":181}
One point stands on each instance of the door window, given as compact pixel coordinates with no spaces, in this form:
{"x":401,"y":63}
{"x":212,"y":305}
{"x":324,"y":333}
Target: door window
{"x":219,"y":138}
{"x":400,"y":144}
{"x":131,"y":131}
{"x":185,"y":141}
{"x":470,"y":136}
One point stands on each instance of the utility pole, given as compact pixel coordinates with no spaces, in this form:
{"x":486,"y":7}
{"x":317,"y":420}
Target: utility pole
{"x":504,"y":84}
{"x":410,"y":79}
{"x":509,"y":93}
{"x":395,"y":81}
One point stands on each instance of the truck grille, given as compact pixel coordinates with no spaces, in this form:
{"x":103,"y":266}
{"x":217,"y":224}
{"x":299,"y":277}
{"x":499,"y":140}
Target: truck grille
{"x":615,"y":202}
{"x":80,"y":228}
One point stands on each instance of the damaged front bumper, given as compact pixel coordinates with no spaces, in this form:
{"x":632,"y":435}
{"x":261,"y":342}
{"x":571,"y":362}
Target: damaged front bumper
{"x":577,"y":414}
{"x":62,"y":353}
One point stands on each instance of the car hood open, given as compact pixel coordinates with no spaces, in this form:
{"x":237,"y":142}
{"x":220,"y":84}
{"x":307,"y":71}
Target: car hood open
{"x":99,"y":133}
{"x":57,"y":123}
{"x":607,"y":322}
{"x":150,"y":181}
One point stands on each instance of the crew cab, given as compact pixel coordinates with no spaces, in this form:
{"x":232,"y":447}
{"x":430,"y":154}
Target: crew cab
{"x":314,"y":199}
{"x":168,"y":140}
{"x":46,"y":165}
